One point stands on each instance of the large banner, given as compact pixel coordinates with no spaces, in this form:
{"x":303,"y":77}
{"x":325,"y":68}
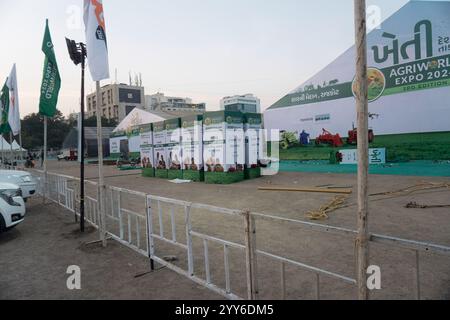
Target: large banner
{"x":224,"y":142}
{"x":408,"y":75}
{"x":146,"y":146}
{"x":192,"y":146}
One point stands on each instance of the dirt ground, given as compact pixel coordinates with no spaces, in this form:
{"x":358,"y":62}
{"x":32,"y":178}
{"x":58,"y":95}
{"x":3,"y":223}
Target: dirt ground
{"x":328,"y":251}
{"x":34,"y":258}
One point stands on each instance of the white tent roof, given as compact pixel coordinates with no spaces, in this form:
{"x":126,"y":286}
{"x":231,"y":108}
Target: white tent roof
{"x":16,"y":147}
{"x":139,"y":117}
{"x":6,"y":146}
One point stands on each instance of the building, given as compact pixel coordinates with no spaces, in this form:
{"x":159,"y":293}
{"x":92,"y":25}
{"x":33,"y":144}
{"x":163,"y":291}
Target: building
{"x":409,"y":80}
{"x":173,"y":105}
{"x":245,"y":103}
{"x":118,"y":100}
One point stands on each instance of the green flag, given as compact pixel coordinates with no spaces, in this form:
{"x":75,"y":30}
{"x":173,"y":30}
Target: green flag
{"x":51,"y":81}
{"x":4,"y":107}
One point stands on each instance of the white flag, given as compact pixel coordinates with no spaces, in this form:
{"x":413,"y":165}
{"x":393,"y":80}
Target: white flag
{"x":96,"y":43}
{"x":14,"y":112}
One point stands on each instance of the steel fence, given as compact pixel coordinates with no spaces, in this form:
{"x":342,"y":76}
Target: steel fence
{"x":157,"y":227}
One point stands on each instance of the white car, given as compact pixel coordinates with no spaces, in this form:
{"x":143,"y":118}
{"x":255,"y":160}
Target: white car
{"x":23,"y":179}
{"x":12,"y":206}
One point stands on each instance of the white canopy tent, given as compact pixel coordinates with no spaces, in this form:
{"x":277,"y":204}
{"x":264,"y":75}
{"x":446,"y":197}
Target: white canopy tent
{"x":17,"y":148}
{"x":4,"y":145}
{"x":139,"y":117}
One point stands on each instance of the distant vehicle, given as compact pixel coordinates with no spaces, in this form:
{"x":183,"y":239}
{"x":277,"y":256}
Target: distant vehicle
{"x":68,"y":155}
{"x":23,"y":179}
{"x":12,"y":206}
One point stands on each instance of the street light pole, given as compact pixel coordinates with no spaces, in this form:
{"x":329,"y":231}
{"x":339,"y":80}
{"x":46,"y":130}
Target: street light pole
{"x":83,"y":63}
{"x":77,"y":52}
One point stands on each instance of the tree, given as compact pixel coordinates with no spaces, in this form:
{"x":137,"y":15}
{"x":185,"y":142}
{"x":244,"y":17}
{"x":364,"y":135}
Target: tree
{"x":106,"y":123}
{"x":33,"y":131}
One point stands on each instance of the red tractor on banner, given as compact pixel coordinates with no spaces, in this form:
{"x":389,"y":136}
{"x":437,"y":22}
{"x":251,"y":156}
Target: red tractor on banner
{"x":353,"y":136}
{"x":327,"y":137}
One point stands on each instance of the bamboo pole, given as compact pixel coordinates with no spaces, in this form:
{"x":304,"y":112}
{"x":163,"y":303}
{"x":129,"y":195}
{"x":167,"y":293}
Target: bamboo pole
{"x":307,"y":189}
{"x":101,"y":185}
{"x":362,"y":244}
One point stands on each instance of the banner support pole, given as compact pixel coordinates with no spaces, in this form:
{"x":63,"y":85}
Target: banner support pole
{"x":101,"y":183}
{"x":362,"y":108}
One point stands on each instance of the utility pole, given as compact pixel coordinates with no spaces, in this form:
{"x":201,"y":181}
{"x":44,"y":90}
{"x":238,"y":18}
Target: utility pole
{"x":363,"y":237}
{"x":77,"y":53}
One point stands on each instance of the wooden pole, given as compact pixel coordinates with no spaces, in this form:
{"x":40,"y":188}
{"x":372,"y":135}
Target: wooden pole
{"x":45,"y":159}
{"x":362,"y":241}
{"x":306,"y":189}
{"x":101,"y":183}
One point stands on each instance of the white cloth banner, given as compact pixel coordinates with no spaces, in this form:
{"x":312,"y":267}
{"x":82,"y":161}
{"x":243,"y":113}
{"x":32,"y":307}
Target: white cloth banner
{"x":14,"y":112}
{"x":96,"y":42}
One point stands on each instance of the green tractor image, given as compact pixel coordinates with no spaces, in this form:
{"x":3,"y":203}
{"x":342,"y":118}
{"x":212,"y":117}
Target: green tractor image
{"x":288,"y":140}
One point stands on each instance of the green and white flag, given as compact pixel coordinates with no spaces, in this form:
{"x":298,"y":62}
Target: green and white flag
{"x":51,"y":80}
{"x":4,"y":108}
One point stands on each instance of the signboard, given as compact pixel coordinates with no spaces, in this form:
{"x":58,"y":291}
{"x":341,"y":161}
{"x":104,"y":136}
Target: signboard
{"x":159,"y":141}
{"x":146,"y":146}
{"x":408,"y":75}
{"x":134,"y":141}
{"x":376,"y":156}
{"x":253,"y":145}
{"x":115,"y":143}
{"x":192,"y":146}
{"x":224,"y":142}
{"x":173,"y":146}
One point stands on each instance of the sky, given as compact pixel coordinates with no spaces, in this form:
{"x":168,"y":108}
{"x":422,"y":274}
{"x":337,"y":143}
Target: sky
{"x":202,"y":49}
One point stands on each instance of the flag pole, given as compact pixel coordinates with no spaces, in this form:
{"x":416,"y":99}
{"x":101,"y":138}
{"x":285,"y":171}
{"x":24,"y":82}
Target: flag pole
{"x":11,"y":149}
{"x":363,"y":237}
{"x":20,"y":145}
{"x":101,"y":182}
{"x":3,"y":153}
{"x":45,"y":158}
